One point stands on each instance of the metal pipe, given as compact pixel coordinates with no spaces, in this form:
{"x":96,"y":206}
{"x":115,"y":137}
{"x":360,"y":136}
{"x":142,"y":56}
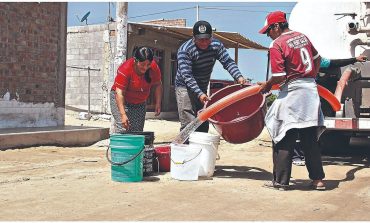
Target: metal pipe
{"x":88,"y":94}
{"x":365,"y":29}
{"x":88,"y":88}
{"x":359,"y":41}
{"x":83,"y":68}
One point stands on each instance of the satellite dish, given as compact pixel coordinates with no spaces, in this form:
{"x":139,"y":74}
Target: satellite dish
{"x":84,"y":18}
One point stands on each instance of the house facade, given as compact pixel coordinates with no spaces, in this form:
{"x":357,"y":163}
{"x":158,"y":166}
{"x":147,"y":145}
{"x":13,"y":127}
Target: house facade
{"x":94,"y":46}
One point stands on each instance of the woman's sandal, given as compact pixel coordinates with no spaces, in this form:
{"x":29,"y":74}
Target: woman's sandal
{"x":318,"y":185}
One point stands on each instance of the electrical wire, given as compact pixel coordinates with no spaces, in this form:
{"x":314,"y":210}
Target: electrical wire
{"x":225,"y":9}
{"x":249,"y":6}
{"x":220,"y":8}
{"x":156,"y":13}
{"x":240,"y":10}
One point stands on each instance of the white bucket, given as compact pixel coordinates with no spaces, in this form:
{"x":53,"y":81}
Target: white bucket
{"x":209,"y":144}
{"x":185,"y":161}
{"x":83,"y":116}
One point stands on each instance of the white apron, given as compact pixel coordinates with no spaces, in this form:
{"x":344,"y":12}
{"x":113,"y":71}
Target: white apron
{"x":297,"y":106}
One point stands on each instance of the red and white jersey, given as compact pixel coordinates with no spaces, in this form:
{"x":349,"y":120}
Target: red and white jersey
{"x":292,"y":55}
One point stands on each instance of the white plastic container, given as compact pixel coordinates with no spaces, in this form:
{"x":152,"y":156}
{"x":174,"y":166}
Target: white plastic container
{"x":83,"y":116}
{"x":185,"y":161}
{"x":209,"y":144}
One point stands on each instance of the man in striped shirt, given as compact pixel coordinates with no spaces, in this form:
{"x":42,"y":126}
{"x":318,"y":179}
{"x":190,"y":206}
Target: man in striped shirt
{"x":196,"y":59}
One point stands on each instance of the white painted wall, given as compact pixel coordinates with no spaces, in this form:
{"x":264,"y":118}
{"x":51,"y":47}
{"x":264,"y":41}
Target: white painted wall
{"x":14,"y":114}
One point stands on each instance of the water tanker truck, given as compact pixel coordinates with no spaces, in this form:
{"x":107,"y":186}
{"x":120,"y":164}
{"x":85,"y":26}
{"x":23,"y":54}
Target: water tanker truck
{"x":340,"y":30}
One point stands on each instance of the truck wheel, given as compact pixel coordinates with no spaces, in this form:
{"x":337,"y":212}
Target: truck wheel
{"x":334,"y":142}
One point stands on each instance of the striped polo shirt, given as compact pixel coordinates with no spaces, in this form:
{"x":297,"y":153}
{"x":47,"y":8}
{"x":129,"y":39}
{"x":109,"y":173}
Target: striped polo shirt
{"x":195,"y":66}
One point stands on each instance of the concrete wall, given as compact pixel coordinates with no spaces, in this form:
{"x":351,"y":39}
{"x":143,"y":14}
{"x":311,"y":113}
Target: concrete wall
{"x":94,"y":46}
{"x":32,"y":64}
{"x":89,"y":46}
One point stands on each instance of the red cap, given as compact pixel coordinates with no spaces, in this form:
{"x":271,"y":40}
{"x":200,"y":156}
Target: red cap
{"x":272,"y":18}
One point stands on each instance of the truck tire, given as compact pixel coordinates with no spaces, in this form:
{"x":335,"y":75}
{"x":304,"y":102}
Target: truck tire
{"x":334,"y":142}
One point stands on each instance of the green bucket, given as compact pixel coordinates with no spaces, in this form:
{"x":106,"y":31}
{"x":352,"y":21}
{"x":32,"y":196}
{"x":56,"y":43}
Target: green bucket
{"x":126,"y":157}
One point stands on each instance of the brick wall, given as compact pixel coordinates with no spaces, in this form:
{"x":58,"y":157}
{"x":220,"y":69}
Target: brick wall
{"x":29,"y":35}
{"x":168,"y":22}
{"x":32,"y":58}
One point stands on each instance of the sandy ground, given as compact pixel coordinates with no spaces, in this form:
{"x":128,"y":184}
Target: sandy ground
{"x":58,"y":183}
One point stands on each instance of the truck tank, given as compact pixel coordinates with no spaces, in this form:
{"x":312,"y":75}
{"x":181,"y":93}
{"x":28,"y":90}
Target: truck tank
{"x":340,"y":30}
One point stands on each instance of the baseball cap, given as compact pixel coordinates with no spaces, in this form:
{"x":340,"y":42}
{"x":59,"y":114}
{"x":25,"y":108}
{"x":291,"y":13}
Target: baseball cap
{"x":272,"y":18}
{"x":202,"y":29}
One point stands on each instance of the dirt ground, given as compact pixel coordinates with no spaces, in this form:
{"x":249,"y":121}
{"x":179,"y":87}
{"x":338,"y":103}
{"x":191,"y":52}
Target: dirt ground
{"x":58,"y":183}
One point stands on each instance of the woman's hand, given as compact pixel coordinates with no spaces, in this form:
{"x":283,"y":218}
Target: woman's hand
{"x":157,"y":110}
{"x":158,"y":98}
{"x":125,"y":121}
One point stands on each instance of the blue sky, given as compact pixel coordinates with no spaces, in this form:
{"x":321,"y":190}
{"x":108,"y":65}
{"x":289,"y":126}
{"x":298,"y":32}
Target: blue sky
{"x":245,"y":18}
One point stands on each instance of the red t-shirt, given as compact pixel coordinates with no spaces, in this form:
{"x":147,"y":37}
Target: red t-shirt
{"x":292,"y":55}
{"x":137,"y":89}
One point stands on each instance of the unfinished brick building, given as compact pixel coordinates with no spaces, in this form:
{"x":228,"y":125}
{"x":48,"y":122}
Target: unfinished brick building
{"x":32,"y":64}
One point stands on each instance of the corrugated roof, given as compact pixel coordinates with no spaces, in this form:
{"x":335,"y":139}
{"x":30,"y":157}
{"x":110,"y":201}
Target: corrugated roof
{"x":229,"y":39}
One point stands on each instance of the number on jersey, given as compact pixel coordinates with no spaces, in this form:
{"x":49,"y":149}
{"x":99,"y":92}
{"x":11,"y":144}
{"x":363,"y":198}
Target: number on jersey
{"x":306,"y":59}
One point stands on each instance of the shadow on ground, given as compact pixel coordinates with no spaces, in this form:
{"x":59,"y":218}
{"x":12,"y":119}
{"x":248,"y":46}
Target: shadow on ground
{"x":358,"y":162}
{"x":243,"y":172}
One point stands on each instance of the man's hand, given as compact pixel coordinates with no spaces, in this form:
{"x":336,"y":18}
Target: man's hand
{"x":125,"y":121}
{"x":361,"y":58}
{"x":241,"y":80}
{"x":265,"y":87}
{"x":203,"y":98}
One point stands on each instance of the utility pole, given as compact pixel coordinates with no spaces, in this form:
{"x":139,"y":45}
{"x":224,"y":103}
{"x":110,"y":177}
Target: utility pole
{"x":121,"y":32}
{"x":121,"y":35}
{"x":197,"y":12}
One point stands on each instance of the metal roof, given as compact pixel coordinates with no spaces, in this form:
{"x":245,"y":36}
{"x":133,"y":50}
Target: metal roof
{"x":229,"y":39}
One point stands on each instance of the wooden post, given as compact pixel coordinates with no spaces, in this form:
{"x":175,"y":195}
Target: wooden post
{"x":237,"y":53}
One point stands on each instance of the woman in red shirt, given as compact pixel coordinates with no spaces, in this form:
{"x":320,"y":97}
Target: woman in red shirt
{"x":131,"y":89}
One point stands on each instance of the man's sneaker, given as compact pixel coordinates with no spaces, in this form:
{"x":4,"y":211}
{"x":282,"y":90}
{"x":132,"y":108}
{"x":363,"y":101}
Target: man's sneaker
{"x":276,"y":186}
{"x":298,"y":161}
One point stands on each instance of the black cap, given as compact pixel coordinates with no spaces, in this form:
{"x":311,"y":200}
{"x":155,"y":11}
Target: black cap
{"x":202,"y":29}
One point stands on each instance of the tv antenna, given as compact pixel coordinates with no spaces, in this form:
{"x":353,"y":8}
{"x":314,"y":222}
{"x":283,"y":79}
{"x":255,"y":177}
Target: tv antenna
{"x":84,"y":18}
{"x":110,"y":19}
